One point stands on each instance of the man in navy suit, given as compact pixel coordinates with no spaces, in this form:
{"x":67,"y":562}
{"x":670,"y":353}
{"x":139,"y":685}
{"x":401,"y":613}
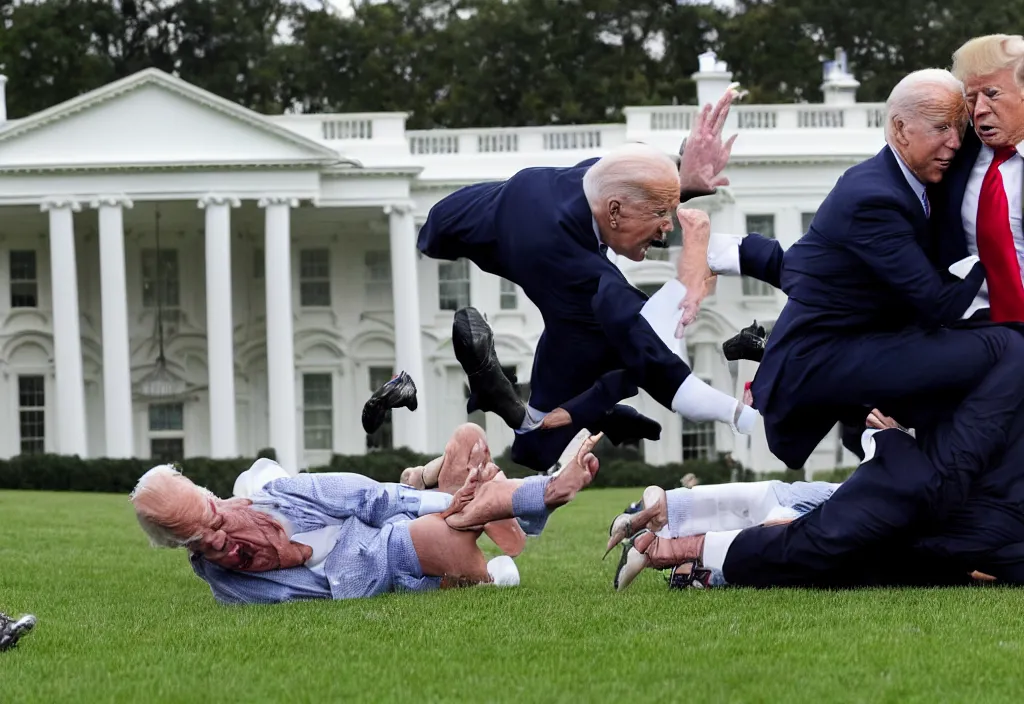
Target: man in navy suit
{"x":548,"y":230}
{"x":863,"y":326}
{"x":980,"y":198}
{"x":910,"y":514}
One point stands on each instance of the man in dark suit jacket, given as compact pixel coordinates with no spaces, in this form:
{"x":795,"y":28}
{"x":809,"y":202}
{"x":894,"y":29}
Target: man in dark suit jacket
{"x":910,"y":514}
{"x":981,"y":196}
{"x":548,"y":230}
{"x":863,"y":324}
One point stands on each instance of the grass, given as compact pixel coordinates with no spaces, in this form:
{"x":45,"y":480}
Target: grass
{"x":120,"y":622}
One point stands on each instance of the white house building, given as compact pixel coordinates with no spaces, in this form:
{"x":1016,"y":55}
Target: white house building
{"x":180,"y":276}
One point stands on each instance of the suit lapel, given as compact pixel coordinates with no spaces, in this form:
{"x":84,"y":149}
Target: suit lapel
{"x":903,"y":186}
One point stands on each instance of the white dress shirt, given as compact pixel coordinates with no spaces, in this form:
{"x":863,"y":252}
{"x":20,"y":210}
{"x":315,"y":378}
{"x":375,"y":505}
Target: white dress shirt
{"x":1012,"y":171}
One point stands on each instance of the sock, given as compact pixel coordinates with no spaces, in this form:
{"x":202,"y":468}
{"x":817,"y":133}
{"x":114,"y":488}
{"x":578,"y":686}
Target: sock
{"x":718,"y":507}
{"x":696,"y":401}
{"x":531,"y":420}
{"x":716,"y":548}
{"x":503,"y":571}
{"x":528,"y":504}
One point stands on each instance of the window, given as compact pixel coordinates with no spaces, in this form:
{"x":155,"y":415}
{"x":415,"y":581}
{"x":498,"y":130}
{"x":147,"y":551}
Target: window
{"x":509,"y":295}
{"x":162,"y":273}
{"x":805,"y":221}
{"x":383,"y":439}
{"x":24,"y":285}
{"x":167,"y":432}
{"x":453,"y":284}
{"x":317,"y":411}
{"x":764,"y":225}
{"x":259,"y":263}
{"x":378,"y":280}
{"x":315,"y":278}
{"x":32,"y":414}
{"x":698,"y":436}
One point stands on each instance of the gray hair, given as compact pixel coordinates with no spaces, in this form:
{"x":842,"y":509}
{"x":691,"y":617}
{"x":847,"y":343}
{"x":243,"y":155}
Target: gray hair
{"x":149,"y":486}
{"x":913,"y":91}
{"x":625,"y":172}
{"x":984,"y":55}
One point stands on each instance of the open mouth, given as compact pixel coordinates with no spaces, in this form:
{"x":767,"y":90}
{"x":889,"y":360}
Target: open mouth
{"x":659,"y":242}
{"x":986,"y":129}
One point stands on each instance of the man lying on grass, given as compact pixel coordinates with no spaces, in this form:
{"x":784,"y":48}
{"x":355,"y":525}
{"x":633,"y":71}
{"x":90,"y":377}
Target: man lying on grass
{"x":340,"y":536}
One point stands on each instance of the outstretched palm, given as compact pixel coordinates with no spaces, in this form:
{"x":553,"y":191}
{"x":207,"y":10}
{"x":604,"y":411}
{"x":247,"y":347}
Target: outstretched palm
{"x":703,"y":154}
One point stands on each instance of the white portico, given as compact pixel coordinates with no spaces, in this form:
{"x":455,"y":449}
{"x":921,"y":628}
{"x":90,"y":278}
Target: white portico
{"x":180,"y":276}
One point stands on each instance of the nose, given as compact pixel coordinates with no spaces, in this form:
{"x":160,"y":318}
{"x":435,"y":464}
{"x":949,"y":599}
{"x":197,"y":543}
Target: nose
{"x":981,"y":106}
{"x":954,"y":140}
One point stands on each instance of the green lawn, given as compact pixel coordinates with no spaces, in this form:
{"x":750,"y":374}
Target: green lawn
{"x":120,"y":622}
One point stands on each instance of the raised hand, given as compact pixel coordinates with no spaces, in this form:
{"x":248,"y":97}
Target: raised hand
{"x":703,"y":154}
{"x":692,"y":266}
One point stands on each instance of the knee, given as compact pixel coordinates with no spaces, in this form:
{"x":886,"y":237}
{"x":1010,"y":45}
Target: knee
{"x":467,"y":434}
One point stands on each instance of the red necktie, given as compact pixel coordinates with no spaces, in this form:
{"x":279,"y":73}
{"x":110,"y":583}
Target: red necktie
{"x":995,"y":245}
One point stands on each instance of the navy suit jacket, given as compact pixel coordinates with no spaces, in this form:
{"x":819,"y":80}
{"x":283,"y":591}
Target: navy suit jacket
{"x":536,"y":230}
{"x":861,"y":267}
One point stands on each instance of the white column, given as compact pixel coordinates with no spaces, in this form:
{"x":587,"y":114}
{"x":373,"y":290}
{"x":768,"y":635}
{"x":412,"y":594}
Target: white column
{"x":280,"y":345}
{"x":410,"y":427}
{"x":117,"y":371}
{"x":67,"y":340}
{"x":220,"y":329}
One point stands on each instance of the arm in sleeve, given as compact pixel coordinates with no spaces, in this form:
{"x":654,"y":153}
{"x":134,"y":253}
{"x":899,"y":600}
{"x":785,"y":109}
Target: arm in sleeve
{"x":751,"y":255}
{"x":311,"y":501}
{"x":642,"y":332}
{"x":883,"y":239}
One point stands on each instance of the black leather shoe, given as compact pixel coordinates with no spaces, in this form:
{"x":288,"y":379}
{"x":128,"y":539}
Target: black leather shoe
{"x":625,"y":424}
{"x":747,"y":344}
{"x":12,"y":630}
{"x":399,"y":392}
{"x":490,"y":390}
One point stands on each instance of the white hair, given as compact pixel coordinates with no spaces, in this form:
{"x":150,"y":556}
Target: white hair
{"x":913,"y":91}
{"x":625,"y":173}
{"x":155,"y":480}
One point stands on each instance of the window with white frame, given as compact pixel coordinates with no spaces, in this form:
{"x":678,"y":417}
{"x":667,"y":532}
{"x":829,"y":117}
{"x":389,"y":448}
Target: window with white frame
{"x":317,"y":411}
{"x":160,"y":278}
{"x":805,"y":221}
{"x":698,"y":436}
{"x":167,"y":432}
{"x":453,"y":284}
{"x":509,"y":295}
{"x":383,"y":438}
{"x":378,"y":280}
{"x":315,"y":278}
{"x":32,"y":414}
{"x":763,"y":225}
{"x":24,"y":284}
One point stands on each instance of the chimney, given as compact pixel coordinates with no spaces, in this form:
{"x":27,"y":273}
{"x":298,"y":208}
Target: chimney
{"x":3,"y":99}
{"x":839,"y":86}
{"x":712,"y":79}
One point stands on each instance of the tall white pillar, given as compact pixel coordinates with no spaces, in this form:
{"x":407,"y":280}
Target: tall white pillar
{"x":280,"y":345}
{"x":220,"y":330}
{"x":67,"y":340}
{"x":117,"y":371}
{"x":410,"y":428}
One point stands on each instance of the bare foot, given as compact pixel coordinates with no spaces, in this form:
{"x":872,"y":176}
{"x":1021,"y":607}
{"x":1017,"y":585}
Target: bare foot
{"x":576,"y":475}
{"x":464,"y":496}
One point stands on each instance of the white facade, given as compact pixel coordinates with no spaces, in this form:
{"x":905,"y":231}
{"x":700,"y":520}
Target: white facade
{"x":287,"y":272}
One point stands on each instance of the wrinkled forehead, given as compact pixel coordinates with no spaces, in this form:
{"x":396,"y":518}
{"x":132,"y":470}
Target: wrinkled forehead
{"x":1003,"y":79}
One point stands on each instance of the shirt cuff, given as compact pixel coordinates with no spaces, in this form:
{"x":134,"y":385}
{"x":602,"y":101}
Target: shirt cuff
{"x":724,"y":254}
{"x":716,"y":547}
{"x":433,"y":502}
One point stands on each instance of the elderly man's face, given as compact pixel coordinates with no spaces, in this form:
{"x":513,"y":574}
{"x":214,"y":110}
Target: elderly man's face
{"x":997,"y":108}
{"x":928,"y":141}
{"x":632,"y":226}
{"x":240,"y":538}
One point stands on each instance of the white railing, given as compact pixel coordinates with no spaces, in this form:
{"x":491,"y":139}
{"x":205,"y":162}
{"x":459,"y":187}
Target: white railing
{"x":516,"y":139}
{"x":860,"y":116}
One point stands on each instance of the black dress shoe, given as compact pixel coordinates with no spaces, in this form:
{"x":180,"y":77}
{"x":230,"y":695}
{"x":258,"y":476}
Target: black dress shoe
{"x":624,"y":424}
{"x":12,"y":630}
{"x":399,"y":392}
{"x":747,"y":344}
{"x":490,"y":390}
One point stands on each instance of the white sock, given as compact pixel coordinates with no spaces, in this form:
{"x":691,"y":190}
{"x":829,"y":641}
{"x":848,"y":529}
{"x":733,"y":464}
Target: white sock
{"x":695,"y":400}
{"x":718,"y":507}
{"x":503,"y":571}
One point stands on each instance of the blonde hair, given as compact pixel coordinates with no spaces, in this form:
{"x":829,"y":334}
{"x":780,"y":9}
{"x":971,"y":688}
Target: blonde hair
{"x":989,"y":54}
{"x":170,"y":509}
{"x":628,"y":172}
